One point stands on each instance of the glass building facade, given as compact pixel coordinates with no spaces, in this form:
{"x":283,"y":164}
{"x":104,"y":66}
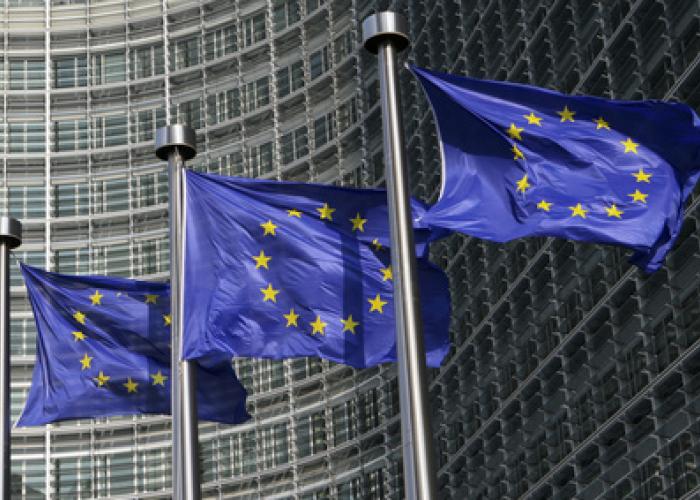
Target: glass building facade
{"x":572,"y":374}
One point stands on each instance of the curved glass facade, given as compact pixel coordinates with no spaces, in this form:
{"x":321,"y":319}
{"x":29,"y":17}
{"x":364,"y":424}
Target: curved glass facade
{"x":572,"y":374}
{"x":272,"y":88}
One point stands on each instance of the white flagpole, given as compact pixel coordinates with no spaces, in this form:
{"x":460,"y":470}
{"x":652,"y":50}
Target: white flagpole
{"x":10,"y":237}
{"x":384,"y":34}
{"x":176,"y":144}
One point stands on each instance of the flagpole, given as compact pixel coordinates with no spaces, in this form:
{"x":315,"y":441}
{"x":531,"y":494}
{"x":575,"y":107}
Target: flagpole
{"x":176,"y":144}
{"x":384,"y":34}
{"x":10,"y":237}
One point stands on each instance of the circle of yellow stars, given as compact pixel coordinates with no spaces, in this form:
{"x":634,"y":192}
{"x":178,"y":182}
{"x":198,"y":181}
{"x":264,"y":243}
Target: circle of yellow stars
{"x":515,"y":133}
{"x":318,"y":326}
{"x":86,"y":362}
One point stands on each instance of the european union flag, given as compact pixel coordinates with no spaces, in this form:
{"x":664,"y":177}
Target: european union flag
{"x":524,"y":161}
{"x":103,"y":348}
{"x":279,"y":269}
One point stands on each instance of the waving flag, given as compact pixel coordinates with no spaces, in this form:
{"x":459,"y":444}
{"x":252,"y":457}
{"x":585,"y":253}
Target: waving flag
{"x":278,"y":270}
{"x":524,"y":161}
{"x":103,"y":349}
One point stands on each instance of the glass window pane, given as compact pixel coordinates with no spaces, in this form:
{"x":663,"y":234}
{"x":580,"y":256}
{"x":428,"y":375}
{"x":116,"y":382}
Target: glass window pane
{"x":114,"y":67}
{"x":320,"y":137}
{"x":117,"y":194}
{"x":301,"y":142}
{"x":233,"y":103}
{"x":266,"y":158}
{"x":35,"y":137}
{"x":263,"y":92}
{"x":283,"y":82}
{"x":297,"y":75}
{"x":316,"y":65}
{"x":17,"y":75}
{"x":115,"y":130}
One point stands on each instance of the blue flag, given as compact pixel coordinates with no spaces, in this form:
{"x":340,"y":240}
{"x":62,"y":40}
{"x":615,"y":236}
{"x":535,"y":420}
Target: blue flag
{"x":278,"y":270}
{"x":103,"y":349}
{"x":523,"y":161}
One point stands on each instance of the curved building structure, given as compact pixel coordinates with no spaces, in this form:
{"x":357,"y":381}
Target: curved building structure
{"x":273,"y":90}
{"x":572,"y":374}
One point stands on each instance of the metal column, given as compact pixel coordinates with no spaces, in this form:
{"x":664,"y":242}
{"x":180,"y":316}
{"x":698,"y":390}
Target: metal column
{"x":10,"y":237}
{"x":384,"y":34}
{"x":176,"y":144}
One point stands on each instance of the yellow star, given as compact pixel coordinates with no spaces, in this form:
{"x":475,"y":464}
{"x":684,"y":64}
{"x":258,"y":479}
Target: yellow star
{"x":545,"y":205}
{"x":96,"y":298}
{"x":159,"y":378}
{"x":131,"y":385}
{"x":600,"y":123}
{"x":630,"y":146}
{"x":293,"y":212}
{"x":523,"y":184}
{"x":642,"y":176}
{"x":101,"y":379}
{"x":78,"y":336}
{"x":377,"y":246}
{"x":638,"y":196}
{"x":318,"y":326}
{"x":151,"y":298}
{"x":613,"y":211}
{"x":268,"y":228}
{"x":291,"y":318}
{"x":579,"y":211}
{"x":269,"y":293}
{"x":326,"y":212}
{"x":377,"y":304}
{"x":358,"y":223}
{"x":167,"y":319}
{"x":79,"y":317}
{"x":86,"y":361}
{"x":261,"y":260}
{"x":387,"y":274}
{"x":349,"y":324}
{"x":517,"y":154}
{"x":533,"y":120}
{"x":566,"y":114}
{"x":514,"y":132}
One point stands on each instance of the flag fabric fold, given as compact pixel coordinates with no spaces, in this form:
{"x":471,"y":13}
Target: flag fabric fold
{"x":280,"y":269}
{"x":103,"y":349}
{"x":524,"y":161}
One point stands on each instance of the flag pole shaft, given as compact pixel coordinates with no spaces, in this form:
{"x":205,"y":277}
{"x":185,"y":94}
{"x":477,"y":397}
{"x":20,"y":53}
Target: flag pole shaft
{"x":385,"y":35}
{"x":176,"y":144}
{"x":10,"y":237}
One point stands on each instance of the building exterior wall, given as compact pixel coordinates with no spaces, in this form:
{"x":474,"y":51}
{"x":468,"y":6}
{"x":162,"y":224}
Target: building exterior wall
{"x":272,"y":88}
{"x":572,"y":374}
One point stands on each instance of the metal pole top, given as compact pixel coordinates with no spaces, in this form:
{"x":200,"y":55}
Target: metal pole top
{"x":382,"y":26}
{"x":10,"y":231}
{"x":177,"y":136}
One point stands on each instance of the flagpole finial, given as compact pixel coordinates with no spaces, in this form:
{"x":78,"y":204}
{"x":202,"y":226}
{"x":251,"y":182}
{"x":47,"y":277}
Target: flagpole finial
{"x":10,"y":231}
{"x":177,"y":136}
{"x":382,"y":26}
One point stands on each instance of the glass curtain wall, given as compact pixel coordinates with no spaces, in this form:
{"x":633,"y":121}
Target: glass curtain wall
{"x":572,"y":374}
